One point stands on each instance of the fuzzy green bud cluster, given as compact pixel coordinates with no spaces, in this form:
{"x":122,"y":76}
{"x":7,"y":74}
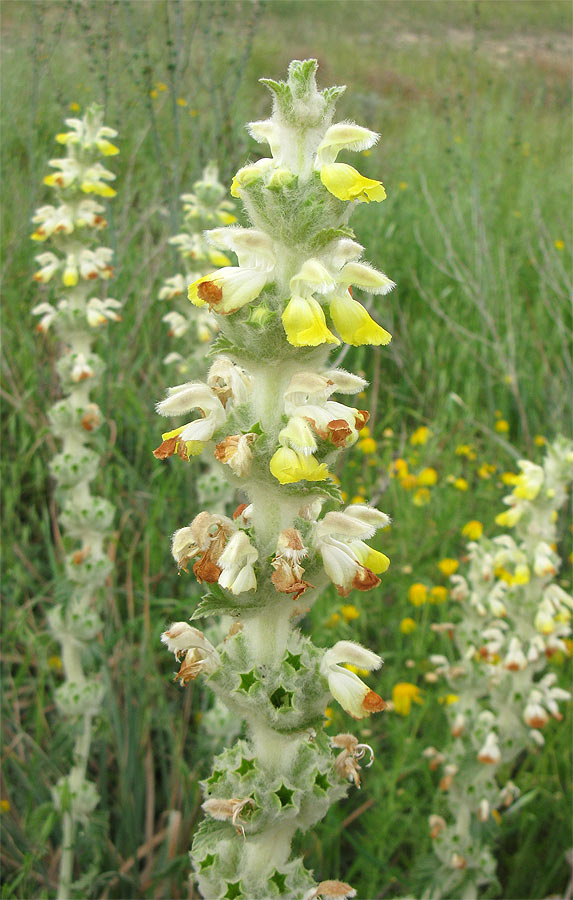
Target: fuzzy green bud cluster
{"x":513,"y":618}
{"x":270,"y":415}
{"x":77,"y":266}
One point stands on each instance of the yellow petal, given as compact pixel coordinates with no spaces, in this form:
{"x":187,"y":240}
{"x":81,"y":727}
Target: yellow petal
{"x":107,"y":148}
{"x":354,"y":324}
{"x":287,"y":466}
{"x":305,"y":324}
{"x":346,"y":183}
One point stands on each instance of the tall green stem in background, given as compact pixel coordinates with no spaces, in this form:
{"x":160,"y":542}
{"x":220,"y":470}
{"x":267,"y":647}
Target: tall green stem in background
{"x":72,"y":226}
{"x":268,"y":416}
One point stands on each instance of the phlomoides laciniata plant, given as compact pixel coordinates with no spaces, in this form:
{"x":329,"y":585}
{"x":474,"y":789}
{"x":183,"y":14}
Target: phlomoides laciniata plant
{"x":206,"y":207}
{"x":269,"y":416}
{"x":513,"y":617}
{"x":76,"y":263}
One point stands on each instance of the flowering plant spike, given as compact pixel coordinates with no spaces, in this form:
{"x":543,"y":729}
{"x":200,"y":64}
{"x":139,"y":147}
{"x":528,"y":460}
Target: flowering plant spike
{"x":269,"y":415}
{"x":513,"y":618}
{"x":75,"y":263}
{"x":204,"y":208}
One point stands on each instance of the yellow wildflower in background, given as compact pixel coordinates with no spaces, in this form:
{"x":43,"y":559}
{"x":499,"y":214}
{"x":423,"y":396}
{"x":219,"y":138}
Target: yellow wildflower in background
{"x":448,"y":566}
{"x":328,"y":716}
{"x":559,"y":244}
{"x":402,"y":185}
{"x":417,"y":594}
{"x":460,"y":484}
{"x":349,"y":612}
{"x":421,"y":497}
{"x":153,"y":94}
{"x":409,"y":482}
{"x":407,"y":625}
{"x":539,"y":440}
{"x":428,"y":477}
{"x":74,"y":107}
{"x":465,"y":450}
{"x":502,"y":426}
{"x":181,"y":101}
{"x":438,"y":594}
{"x":161,"y":86}
{"x":486,"y":470}
{"x":367,"y":445}
{"x":473,"y":530}
{"x":403,"y":695}
{"x":4,"y":806}
{"x":399,"y":468}
{"x":55,"y":662}
{"x":420,"y":436}
{"x":333,"y":620}
{"x":448,"y":699}
{"x":364,"y":432}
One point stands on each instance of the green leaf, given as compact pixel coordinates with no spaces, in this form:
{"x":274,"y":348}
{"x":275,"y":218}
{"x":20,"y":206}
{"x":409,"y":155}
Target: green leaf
{"x":326,"y":235}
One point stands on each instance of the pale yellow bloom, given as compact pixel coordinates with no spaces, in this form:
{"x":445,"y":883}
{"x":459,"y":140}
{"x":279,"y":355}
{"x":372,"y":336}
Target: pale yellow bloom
{"x":346,"y":183}
{"x":407,"y":625}
{"x":305,"y":324}
{"x":421,"y":497}
{"x":288,"y":467}
{"x":417,"y":594}
{"x":420,"y":435}
{"x":403,"y":695}
{"x":448,"y":566}
{"x":473,"y":530}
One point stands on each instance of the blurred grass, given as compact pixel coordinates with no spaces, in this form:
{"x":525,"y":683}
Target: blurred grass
{"x":473,"y":102}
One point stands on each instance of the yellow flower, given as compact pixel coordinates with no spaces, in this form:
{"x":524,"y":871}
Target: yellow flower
{"x":349,"y":612}
{"x":4,"y":806}
{"x":460,"y":484}
{"x":510,"y":478}
{"x":417,"y":594}
{"x":328,"y":716}
{"x":502,"y":426}
{"x":438,"y":594}
{"x":288,"y":467}
{"x":402,"y":185}
{"x":153,"y":94}
{"x":74,"y":107}
{"x":473,"y":530}
{"x":403,"y":695}
{"x":486,"y":470}
{"x":559,"y":244}
{"x":364,"y":432}
{"x":333,"y":620}
{"x":539,"y":440}
{"x":346,"y":183}
{"x":387,"y":433}
{"x":399,"y":468}
{"x":305,"y":324}
{"x":352,"y":668}
{"x":407,"y":625}
{"x":464,"y":450}
{"x":420,"y":435}
{"x":427,"y":477}
{"x":55,"y":662}
{"x":367,"y":445}
{"x":193,"y":112}
{"x":181,"y":101}
{"x":409,"y":482}
{"x":362,"y":490}
{"x":354,"y":324}
{"x":344,"y":496}
{"x":448,"y":566}
{"x":448,"y":699}
{"x":421,"y":497}
{"x":161,"y":86}
{"x":106,"y":148}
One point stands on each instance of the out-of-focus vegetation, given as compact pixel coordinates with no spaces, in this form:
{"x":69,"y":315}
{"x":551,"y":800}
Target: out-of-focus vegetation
{"x":473,"y":103}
